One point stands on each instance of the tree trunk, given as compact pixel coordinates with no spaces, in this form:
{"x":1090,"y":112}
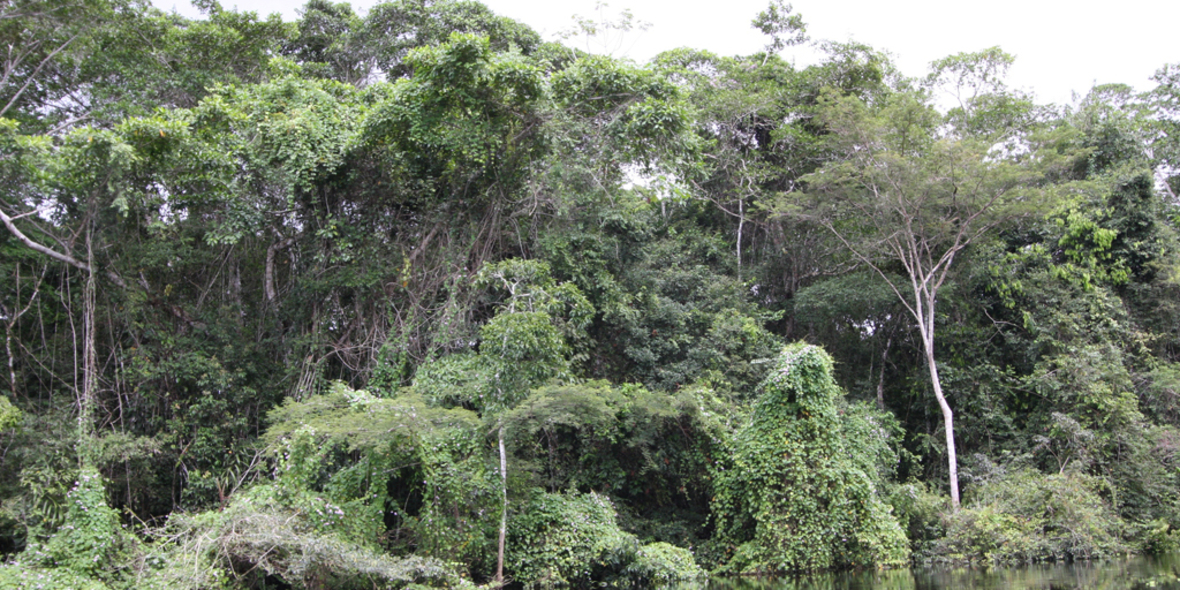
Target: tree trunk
{"x":503,"y":507}
{"x":741,"y":224}
{"x":86,"y":400}
{"x":268,"y":276}
{"x":948,"y":423}
{"x":8,"y":352}
{"x":13,"y":317}
{"x":881,"y":375}
{"x":926,"y":326}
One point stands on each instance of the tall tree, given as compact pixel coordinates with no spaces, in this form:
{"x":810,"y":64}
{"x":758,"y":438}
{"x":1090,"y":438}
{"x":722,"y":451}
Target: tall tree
{"x":42,"y":38}
{"x":910,"y":189}
{"x":1164,"y":102}
{"x":524,"y":346}
{"x":783,"y":28}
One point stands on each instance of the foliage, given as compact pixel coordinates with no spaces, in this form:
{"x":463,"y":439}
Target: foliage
{"x":321,"y":521}
{"x":873,"y":439}
{"x":20,"y":576}
{"x":1161,"y":539}
{"x":45,"y":39}
{"x":266,"y":532}
{"x":783,"y":28}
{"x":147,"y":60}
{"x":921,"y":513}
{"x":466,"y":120}
{"x":1026,"y":516}
{"x":638,"y":114}
{"x":10,"y":415}
{"x":392,"y":29}
{"x":790,"y":499}
{"x":650,"y":451}
{"x":659,"y":564}
{"x":859,"y":319}
{"x":561,"y":540}
{"x":686,"y":318}
{"x":911,"y":188}
{"x":570,"y":539}
{"x":525,"y":344}
{"x":89,"y":543}
{"x":352,"y":450}
{"x":1164,"y":101}
{"x":365,"y":283}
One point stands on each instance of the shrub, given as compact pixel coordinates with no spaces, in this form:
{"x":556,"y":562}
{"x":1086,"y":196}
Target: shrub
{"x":562,"y":540}
{"x":659,"y":564}
{"x":19,"y":576}
{"x":574,"y":540}
{"x":90,"y":542}
{"x":268,"y":533}
{"x":1159,"y":538}
{"x":1028,"y":516}
{"x":920,"y":512}
{"x":10,"y":416}
{"x":356,"y":451}
{"x":85,"y":552}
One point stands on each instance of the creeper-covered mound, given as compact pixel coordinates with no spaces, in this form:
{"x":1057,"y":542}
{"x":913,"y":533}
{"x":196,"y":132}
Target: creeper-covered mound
{"x":791,"y":497}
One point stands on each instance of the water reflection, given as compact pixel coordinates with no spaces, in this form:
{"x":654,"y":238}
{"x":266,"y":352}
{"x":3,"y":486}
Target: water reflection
{"x":1137,"y":573}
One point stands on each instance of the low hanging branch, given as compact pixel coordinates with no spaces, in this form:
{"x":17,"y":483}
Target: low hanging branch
{"x":66,"y":258}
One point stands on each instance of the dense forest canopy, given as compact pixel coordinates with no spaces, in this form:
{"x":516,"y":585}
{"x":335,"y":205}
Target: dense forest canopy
{"x":416,"y":297}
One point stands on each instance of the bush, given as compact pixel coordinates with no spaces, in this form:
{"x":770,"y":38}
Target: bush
{"x":91,"y":542}
{"x":10,"y":416}
{"x":1028,"y":516}
{"x":562,"y":540}
{"x":659,"y":564}
{"x":263,"y":533}
{"x":1159,"y":538}
{"x":357,"y":451}
{"x":18,"y":576}
{"x":88,"y":550}
{"x":573,"y":540}
{"x":921,"y":513}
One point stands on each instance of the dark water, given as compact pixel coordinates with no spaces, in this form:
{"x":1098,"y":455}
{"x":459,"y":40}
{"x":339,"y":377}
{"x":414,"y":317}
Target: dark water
{"x":1134,"y":573}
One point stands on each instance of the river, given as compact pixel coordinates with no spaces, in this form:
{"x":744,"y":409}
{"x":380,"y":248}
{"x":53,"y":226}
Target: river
{"x":1132,"y":573}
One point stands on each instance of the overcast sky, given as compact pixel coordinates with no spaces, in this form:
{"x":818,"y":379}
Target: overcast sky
{"x":1060,"y":47}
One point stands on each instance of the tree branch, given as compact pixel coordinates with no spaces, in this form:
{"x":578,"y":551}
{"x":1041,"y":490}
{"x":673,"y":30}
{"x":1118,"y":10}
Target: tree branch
{"x":70,"y":260}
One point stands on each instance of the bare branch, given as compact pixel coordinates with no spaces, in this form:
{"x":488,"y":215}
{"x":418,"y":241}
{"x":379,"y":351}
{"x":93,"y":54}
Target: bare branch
{"x":70,"y":260}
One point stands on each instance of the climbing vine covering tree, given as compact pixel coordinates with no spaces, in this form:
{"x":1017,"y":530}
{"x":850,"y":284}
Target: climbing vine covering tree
{"x":791,"y":498}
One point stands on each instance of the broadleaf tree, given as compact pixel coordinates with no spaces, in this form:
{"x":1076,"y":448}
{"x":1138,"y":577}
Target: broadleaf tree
{"x":909,"y":189}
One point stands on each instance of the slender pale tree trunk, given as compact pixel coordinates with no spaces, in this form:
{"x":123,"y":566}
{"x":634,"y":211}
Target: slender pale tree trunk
{"x":948,"y":423}
{"x":741,"y":224}
{"x":268,"y":275}
{"x":85,"y":391}
{"x":13,"y":317}
{"x":926,"y":327}
{"x":86,"y":400}
{"x":503,"y":506}
{"x":8,"y":351}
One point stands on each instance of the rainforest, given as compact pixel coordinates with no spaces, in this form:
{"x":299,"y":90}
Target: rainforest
{"x":416,"y":298}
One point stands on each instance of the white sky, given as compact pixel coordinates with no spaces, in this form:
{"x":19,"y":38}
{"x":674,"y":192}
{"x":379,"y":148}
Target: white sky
{"x":1060,"y":47}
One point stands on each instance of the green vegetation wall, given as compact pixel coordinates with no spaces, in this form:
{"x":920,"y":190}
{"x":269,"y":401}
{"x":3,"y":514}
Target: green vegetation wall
{"x":596,"y":262}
